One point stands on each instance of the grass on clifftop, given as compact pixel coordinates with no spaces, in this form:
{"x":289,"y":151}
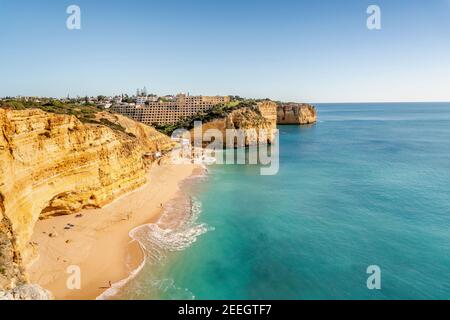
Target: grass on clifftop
{"x":84,"y":112}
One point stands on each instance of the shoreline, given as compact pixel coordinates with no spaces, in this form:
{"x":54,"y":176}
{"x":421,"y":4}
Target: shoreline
{"x":99,"y":243}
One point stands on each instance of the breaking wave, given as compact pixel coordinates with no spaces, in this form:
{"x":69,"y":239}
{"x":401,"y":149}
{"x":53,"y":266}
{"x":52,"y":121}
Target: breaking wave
{"x":176,"y":230}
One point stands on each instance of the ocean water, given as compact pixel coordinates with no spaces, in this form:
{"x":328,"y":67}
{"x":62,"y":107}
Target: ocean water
{"x":369,"y":184}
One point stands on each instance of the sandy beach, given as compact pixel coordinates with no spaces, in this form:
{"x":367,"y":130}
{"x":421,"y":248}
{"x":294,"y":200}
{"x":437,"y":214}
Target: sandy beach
{"x":97,"y":240}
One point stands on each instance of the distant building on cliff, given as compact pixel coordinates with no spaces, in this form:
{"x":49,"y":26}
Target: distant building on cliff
{"x":141,"y":99}
{"x":168,"y":110}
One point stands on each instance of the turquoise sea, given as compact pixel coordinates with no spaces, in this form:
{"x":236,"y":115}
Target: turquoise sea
{"x":369,"y":184}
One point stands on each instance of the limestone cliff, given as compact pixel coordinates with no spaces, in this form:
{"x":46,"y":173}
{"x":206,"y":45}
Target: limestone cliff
{"x":257,"y":123}
{"x":148,"y":137}
{"x":294,"y":113}
{"x":27,"y":292}
{"x":53,"y":164}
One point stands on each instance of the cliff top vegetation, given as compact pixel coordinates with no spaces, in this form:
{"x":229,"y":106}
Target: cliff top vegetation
{"x":85,"y":112}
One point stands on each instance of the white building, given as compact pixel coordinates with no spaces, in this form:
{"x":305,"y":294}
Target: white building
{"x":141,"y":100}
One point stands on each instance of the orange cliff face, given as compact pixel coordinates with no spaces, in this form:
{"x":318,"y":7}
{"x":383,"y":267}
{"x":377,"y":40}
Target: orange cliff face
{"x":258,"y":125}
{"x":295,"y":113}
{"x":53,"y":164}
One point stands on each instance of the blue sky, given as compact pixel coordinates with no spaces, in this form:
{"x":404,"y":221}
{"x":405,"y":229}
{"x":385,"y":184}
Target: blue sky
{"x":313,"y":51}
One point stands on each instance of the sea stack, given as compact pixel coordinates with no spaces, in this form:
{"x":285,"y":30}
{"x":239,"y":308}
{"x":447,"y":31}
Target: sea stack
{"x":296,"y":113}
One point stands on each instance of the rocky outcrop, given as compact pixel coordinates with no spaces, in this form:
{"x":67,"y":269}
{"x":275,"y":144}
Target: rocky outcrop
{"x":148,"y":137}
{"x":268,"y":110}
{"x":11,"y":271}
{"x":27,"y":292}
{"x":294,"y":113}
{"x":52,"y":165}
{"x":254,"y":124}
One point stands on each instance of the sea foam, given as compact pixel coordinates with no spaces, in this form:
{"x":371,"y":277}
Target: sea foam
{"x":176,"y":230}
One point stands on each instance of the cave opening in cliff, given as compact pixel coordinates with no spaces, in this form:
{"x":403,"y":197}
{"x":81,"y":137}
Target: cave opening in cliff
{"x":67,"y":203}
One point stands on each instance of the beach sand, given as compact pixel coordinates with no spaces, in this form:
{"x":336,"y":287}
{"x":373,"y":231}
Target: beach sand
{"x":99,"y":243}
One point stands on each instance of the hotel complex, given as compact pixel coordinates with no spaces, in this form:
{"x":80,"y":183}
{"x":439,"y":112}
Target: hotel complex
{"x":168,"y":110}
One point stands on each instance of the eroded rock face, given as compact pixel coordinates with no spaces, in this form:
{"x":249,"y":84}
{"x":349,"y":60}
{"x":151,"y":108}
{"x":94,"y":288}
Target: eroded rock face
{"x":294,"y":113}
{"x":148,"y":137}
{"x":10,"y":261}
{"x":257,"y":125}
{"x":53,"y":164}
{"x":27,"y":292}
{"x":268,"y":110}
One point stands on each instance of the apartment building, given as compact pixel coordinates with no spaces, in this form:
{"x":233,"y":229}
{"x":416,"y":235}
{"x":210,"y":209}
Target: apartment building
{"x":169,"y":111}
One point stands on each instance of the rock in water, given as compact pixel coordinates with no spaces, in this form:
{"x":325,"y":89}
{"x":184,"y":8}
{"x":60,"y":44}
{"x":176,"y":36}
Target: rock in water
{"x":296,"y":113}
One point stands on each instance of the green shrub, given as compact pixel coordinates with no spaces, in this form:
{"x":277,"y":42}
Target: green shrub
{"x":14,"y":105}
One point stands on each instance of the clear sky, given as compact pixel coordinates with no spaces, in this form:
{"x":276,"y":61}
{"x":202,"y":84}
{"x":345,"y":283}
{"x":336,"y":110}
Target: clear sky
{"x":312,"y":51}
